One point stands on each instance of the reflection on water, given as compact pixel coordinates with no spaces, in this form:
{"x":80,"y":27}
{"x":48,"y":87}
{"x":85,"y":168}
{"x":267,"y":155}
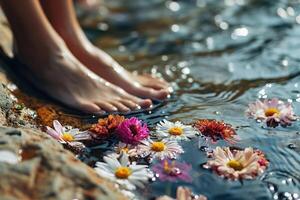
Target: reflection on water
{"x":219,"y":55}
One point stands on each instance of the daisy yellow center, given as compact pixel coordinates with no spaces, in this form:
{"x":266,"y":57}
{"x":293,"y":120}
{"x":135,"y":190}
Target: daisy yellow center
{"x":168,"y":167}
{"x":123,"y":172}
{"x":171,"y":169}
{"x":271,"y":111}
{"x":176,"y":131}
{"x":125,"y":149}
{"x":67,"y":137}
{"x":234,"y":164}
{"x":158,"y":146}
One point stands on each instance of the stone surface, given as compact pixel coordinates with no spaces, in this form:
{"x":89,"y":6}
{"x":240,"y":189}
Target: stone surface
{"x":44,"y":169}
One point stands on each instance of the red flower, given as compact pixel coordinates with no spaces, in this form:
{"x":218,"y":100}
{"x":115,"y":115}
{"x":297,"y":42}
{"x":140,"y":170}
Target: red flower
{"x":216,"y":130}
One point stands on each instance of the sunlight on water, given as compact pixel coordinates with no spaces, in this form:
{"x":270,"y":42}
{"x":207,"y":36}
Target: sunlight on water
{"x":219,"y":56}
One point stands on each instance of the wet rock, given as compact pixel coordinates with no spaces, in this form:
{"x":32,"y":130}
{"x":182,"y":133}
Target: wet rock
{"x":46,"y":171}
{"x":5,"y":101}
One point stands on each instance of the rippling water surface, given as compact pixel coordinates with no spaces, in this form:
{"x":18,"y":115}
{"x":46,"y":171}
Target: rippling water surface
{"x":219,"y":55}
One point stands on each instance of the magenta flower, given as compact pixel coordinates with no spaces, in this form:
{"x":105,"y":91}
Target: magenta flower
{"x":132,"y":131}
{"x":272,"y":111}
{"x":172,"y":171}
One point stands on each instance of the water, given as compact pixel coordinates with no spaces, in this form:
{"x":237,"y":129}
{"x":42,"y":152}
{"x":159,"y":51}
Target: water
{"x":219,"y":56}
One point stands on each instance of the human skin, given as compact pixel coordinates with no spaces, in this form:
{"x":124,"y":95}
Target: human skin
{"x":52,"y":67}
{"x":62,"y":16}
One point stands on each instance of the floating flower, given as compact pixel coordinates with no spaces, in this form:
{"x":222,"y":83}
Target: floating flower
{"x":272,"y":111}
{"x":173,"y":171}
{"x":105,"y":127}
{"x":216,"y":130}
{"x":183,"y":193}
{"x":178,"y":131}
{"x":159,"y":149}
{"x":122,"y":172}
{"x":64,"y":135}
{"x":128,"y":149}
{"x":237,"y":164}
{"x":132,"y":131}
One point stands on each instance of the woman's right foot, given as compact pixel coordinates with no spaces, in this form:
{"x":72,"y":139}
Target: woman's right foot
{"x":59,"y":74}
{"x":62,"y":17}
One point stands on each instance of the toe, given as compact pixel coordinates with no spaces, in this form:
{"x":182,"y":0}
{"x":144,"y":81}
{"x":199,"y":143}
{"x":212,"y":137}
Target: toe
{"x":130,"y":104}
{"x":121,"y":107}
{"x":151,"y":93}
{"x":108,"y":107}
{"x":156,"y":83}
{"x":88,"y":107}
{"x":143,"y":103}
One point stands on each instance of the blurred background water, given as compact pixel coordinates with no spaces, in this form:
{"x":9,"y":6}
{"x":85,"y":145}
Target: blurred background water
{"x":219,"y":55}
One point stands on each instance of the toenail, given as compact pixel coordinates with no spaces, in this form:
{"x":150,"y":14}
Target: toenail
{"x":170,"y":89}
{"x":101,"y":112}
{"x":138,"y":107}
{"x":114,"y":108}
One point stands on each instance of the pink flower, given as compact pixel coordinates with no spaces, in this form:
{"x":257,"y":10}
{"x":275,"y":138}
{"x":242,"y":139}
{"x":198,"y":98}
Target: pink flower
{"x":183,"y":193}
{"x":173,"y":171}
{"x":237,"y":164}
{"x":70,"y":138}
{"x":272,"y":111}
{"x":64,"y":135}
{"x":132,"y":131}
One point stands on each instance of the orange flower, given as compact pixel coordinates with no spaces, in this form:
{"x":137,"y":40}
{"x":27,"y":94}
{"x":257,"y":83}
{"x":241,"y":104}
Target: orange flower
{"x":105,"y":127}
{"x":216,"y":130}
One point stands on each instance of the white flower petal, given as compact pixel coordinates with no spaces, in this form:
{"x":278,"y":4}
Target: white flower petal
{"x":58,"y":127}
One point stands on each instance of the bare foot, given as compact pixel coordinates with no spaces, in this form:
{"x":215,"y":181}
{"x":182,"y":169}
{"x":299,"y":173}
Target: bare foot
{"x":102,"y":64}
{"x":65,"y":79}
{"x":62,"y":16}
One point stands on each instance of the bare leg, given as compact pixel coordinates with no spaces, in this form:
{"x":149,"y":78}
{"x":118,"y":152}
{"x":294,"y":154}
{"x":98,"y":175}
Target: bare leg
{"x":62,"y":16}
{"x":52,"y":67}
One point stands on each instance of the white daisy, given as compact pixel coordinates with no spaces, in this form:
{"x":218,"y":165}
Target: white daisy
{"x":64,"y":135}
{"x":123,"y":172}
{"x":177,"y":130}
{"x":121,"y":147}
{"x":159,"y":149}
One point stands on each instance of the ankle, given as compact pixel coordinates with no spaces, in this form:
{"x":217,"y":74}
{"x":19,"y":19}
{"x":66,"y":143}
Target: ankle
{"x":46,"y":52}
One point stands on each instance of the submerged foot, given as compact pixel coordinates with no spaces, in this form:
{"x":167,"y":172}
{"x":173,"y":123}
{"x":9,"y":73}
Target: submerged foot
{"x":59,"y":74}
{"x":144,"y":86}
